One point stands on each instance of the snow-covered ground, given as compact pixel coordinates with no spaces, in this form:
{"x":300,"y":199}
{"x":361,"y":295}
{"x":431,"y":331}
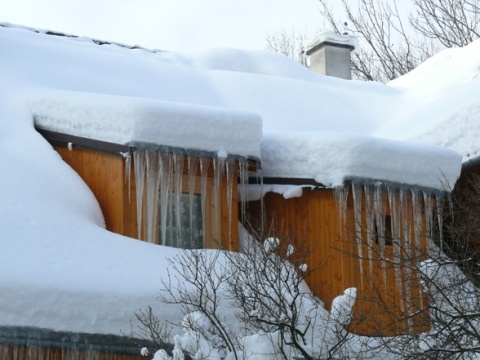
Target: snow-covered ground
{"x":59,"y":267}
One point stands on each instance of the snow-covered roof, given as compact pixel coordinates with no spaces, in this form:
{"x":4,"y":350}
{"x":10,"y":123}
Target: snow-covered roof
{"x":55,"y":251}
{"x":133,"y":121}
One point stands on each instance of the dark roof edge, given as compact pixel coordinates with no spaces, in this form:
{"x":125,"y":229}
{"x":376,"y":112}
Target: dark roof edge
{"x":286,"y":181}
{"x":347,"y":181}
{"x":123,"y":150}
{"x":85,"y":143}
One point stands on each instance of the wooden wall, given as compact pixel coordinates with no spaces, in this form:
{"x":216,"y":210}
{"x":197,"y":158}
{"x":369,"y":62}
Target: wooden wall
{"x":105,"y":176}
{"x":313,"y":221}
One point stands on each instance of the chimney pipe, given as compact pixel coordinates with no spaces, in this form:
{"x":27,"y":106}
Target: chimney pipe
{"x":330,"y":54}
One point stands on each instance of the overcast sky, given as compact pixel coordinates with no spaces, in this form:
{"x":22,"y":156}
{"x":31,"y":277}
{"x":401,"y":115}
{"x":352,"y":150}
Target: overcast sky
{"x":168,"y":24}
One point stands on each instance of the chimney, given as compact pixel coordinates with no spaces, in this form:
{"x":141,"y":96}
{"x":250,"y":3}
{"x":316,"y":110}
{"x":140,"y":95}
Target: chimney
{"x":330,"y":54}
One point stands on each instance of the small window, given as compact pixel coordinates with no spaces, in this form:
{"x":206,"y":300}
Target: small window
{"x":189,"y":234}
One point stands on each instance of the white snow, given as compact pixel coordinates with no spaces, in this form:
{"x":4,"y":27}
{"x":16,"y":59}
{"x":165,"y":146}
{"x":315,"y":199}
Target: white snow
{"x":441,"y":102}
{"x":346,"y":155}
{"x":130,"y":120}
{"x":328,"y":36}
{"x":341,"y":310}
{"x":59,"y":267}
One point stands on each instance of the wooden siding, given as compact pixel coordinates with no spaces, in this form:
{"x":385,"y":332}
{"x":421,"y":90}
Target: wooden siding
{"x":105,"y":176}
{"x":313,"y":221}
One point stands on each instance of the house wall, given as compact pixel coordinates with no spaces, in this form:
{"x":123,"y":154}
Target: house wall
{"x":312,"y":222}
{"x":105,"y":175}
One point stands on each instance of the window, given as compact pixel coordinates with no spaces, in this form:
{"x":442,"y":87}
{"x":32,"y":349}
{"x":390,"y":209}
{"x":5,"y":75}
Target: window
{"x":197,"y":216}
{"x":184,"y":226}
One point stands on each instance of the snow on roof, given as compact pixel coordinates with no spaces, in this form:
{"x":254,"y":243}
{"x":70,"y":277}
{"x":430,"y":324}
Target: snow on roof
{"x":441,"y":105}
{"x":130,"y":121}
{"x":358,"y":159}
{"x":219,"y":97}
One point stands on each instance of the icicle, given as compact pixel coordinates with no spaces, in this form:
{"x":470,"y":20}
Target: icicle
{"x":380,"y":214}
{"x":406,"y":213}
{"x":128,"y":172}
{"x":440,"y":204}
{"x":178,"y":162}
{"x":357,"y":209}
{"x":243,"y":181}
{"x":165,"y":190}
{"x":395,"y":215}
{"x":139,"y":164}
{"x":418,"y":230}
{"x":192,"y":176}
{"x":204,"y":165}
{"x":427,"y":199}
{"x":418,"y":220}
{"x":230,"y":168}
{"x":341,"y":197}
{"x":370,"y":222}
{"x":218,"y":167}
{"x":153,"y":182}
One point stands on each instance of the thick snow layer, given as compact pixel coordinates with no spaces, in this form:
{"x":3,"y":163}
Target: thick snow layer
{"x":59,"y":267}
{"x":358,"y":158}
{"x":441,"y":102}
{"x":128,"y":120}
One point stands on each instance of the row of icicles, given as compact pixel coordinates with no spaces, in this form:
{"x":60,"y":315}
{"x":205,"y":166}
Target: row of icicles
{"x":159,"y":175}
{"x":393,"y":224}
